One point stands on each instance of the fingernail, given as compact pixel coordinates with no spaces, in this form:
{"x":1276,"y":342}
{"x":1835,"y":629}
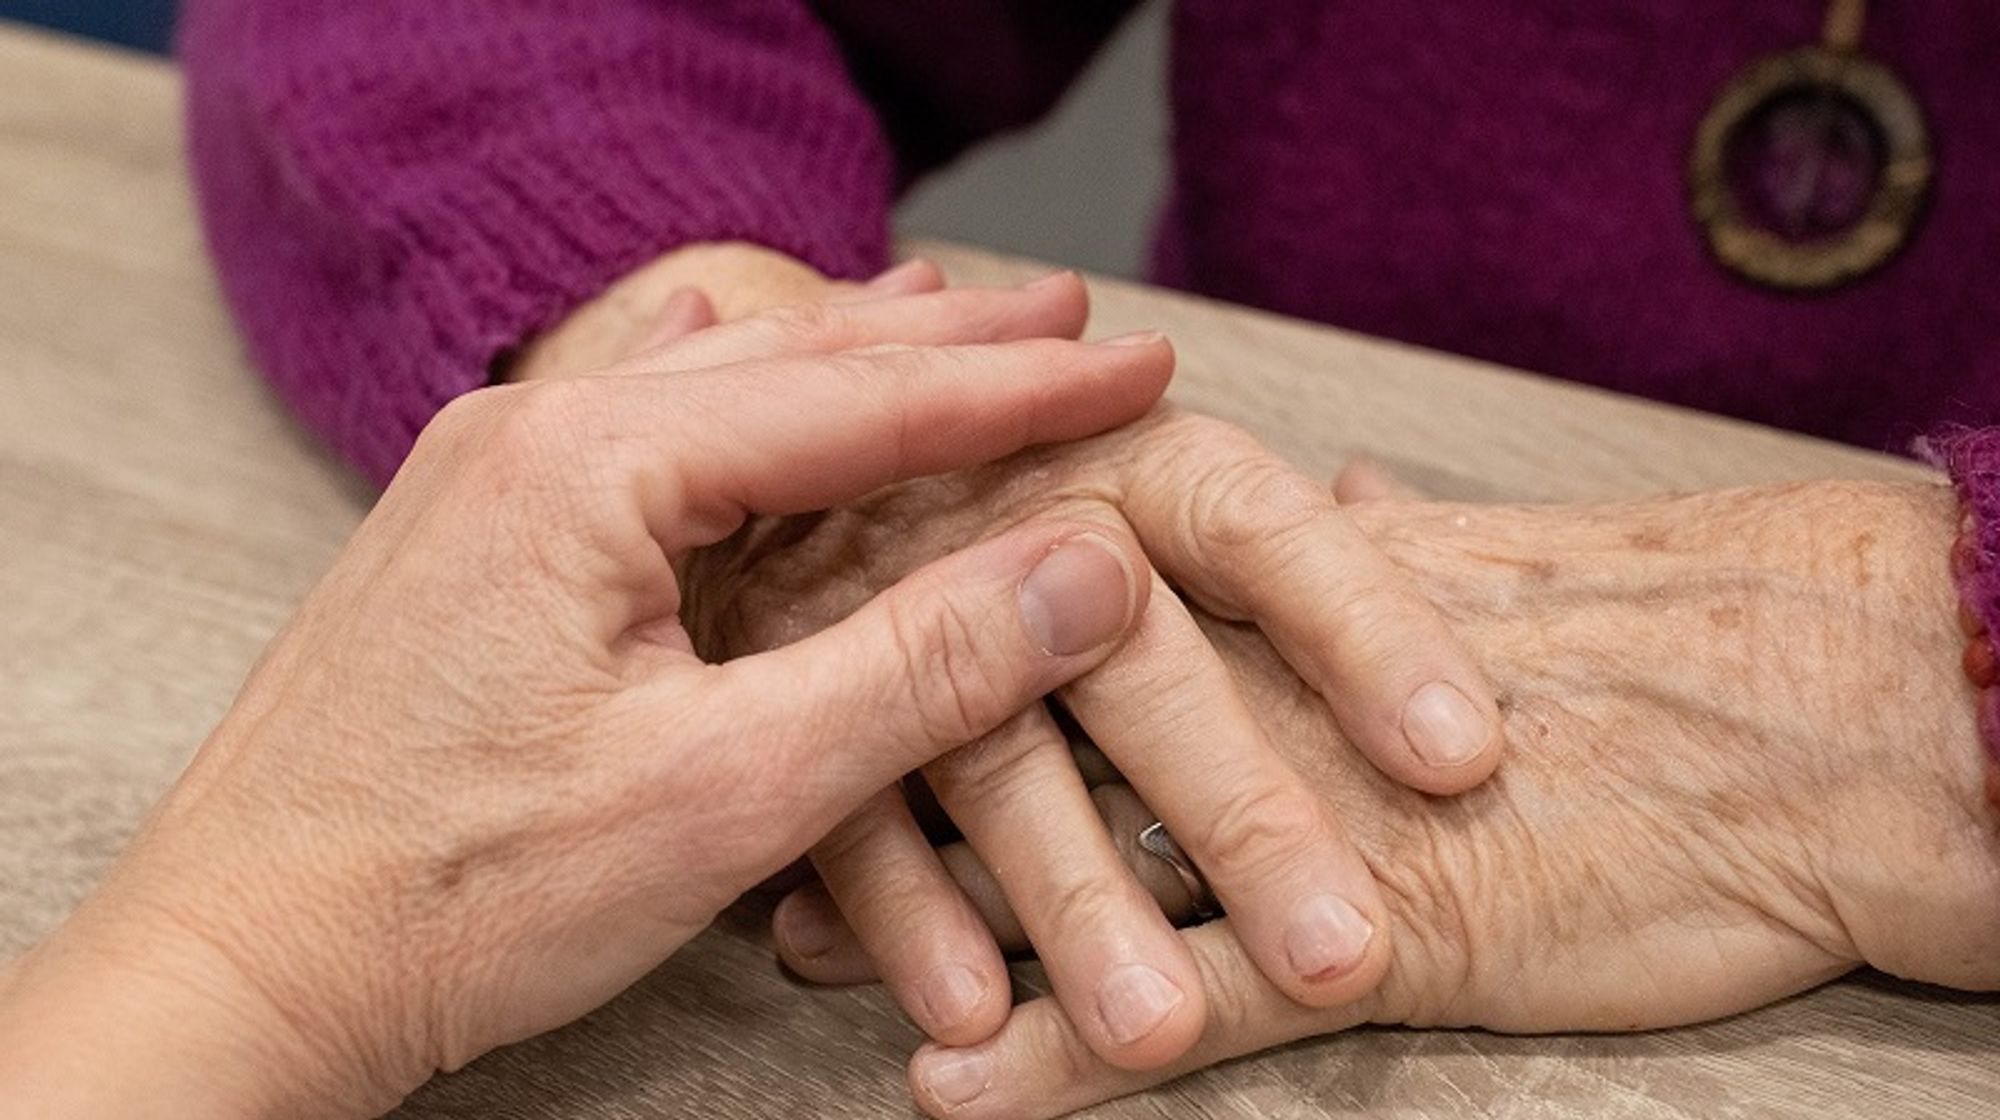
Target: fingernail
{"x":1052,"y":280}
{"x":1078,"y":597}
{"x":1134,"y":1000}
{"x":954,"y":1077}
{"x":1136,"y":338}
{"x":951,"y":994}
{"x":1442,"y":726}
{"x":1328,"y":937}
{"x":894,"y":276}
{"x":806,"y":928}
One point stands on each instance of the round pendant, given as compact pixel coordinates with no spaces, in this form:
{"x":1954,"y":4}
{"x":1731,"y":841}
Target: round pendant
{"x":1812,"y":169}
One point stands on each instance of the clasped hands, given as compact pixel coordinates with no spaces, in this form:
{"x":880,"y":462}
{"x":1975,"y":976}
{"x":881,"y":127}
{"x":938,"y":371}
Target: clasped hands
{"x":613,"y":649}
{"x":1737,"y":740}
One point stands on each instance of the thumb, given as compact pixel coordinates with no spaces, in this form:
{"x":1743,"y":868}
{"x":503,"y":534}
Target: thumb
{"x":935,"y":662}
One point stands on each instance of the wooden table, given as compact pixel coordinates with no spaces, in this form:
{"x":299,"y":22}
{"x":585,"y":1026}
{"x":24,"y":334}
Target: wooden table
{"x":160,"y":515}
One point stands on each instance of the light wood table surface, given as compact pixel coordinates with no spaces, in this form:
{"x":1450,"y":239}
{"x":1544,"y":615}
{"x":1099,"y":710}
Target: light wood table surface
{"x":160,"y":515}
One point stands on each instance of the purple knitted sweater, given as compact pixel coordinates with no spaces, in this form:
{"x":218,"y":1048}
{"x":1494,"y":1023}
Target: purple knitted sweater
{"x":399,"y":190}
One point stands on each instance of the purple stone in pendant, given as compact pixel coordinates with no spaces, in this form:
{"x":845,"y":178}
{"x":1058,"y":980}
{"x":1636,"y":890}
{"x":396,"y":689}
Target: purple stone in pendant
{"x":1806,"y":164}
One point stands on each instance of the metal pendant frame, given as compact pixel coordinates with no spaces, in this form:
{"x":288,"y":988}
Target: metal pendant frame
{"x":1902,"y":189}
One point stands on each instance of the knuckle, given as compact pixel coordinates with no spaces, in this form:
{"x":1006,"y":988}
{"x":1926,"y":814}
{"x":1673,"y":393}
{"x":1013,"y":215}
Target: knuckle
{"x":467,"y":412}
{"x":1374,"y":615}
{"x":958,"y":683}
{"x":997,"y":766}
{"x":1052,"y":1046}
{"x":1250,"y":503}
{"x":537,"y":422}
{"x":806,"y":325}
{"x":1175,"y":427}
{"x":1255,"y":832}
{"x":1235,"y":990}
{"x":849,"y":843}
{"x":1071,"y":911}
{"x":462,"y":431}
{"x":878,"y":377}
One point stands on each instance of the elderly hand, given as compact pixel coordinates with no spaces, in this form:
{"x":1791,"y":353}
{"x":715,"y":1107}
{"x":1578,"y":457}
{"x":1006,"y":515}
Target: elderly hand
{"x":481,"y":782}
{"x":1743,"y":761}
{"x":686,"y":290}
{"x":1218,"y":515}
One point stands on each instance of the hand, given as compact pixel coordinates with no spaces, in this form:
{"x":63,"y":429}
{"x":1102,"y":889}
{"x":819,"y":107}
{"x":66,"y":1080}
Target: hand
{"x":481,"y":782}
{"x":1380,"y":650}
{"x":1226,"y":521}
{"x":1743,"y":761}
{"x":686,"y":290}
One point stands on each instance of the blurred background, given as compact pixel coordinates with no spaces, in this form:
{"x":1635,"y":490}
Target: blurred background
{"x":1080,"y":190}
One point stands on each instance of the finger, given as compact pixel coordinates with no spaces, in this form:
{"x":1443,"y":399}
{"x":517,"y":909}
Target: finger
{"x":912,"y":277}
{"x":1056,"y":307}
{"x":1111,"y":956}
{"x":1365,"y":480}
{"x":1041,"y":1065}
{"x":780,"y":438}
{"x":1124,"y":816}
{"x":694,"y":455}
{"x":929,"y":944}
{"x":1165,"y":707}
{"x":1249,"y":537}
{"x":815,"y":941}
{"x":686,"y":311}
{"x":938,"y":660}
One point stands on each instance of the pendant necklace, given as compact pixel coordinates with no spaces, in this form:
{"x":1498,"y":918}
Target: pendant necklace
{"x":1813,"y":167}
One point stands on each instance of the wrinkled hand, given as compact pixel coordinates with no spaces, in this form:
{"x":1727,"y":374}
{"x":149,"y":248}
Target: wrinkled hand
{"x":1270,"y":546}
{"x":1742,"y":761}
{"x":481,"y":782}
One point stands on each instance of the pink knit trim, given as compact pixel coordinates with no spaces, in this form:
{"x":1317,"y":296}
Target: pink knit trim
{"x":1972,"y":457}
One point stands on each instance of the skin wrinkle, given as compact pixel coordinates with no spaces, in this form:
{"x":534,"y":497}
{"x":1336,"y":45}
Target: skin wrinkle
{"x":1692,"y":723}
{"x":307,"y":1039}
{"x":1703,"y":748}
{"x":228,"y":927}
{"x":1489,"y":853}
{"x":439,"y":825}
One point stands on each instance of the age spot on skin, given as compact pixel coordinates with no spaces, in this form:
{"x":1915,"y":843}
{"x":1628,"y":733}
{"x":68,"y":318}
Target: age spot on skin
{"x":450,"y":875}
{"x":1864,"y":544}
{"x":1648,"y":540}
{"x":1725,"y":617}
{"x":1535,"y":568}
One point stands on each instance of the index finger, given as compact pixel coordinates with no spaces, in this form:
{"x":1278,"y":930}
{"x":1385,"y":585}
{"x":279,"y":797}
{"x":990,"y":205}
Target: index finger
{"x":805,"y":434}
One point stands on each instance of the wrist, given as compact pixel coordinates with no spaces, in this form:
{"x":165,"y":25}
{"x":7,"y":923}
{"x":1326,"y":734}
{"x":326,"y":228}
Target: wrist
{"x":1910,"y":848}
{"x":116,"y":1016}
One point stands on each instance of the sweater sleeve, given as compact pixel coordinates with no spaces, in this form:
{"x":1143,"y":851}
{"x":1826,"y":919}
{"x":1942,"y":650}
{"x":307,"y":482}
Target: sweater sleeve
{"x":1971,"y":456}
{"x":398,"y":191}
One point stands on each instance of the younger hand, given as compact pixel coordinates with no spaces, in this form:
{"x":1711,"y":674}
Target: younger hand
{"x":482,"y":783}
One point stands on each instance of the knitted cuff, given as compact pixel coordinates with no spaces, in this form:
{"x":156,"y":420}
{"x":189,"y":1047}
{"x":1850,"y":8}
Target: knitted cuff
{"x":1972,"y":457}
{"x":398,"y":193}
